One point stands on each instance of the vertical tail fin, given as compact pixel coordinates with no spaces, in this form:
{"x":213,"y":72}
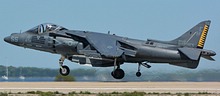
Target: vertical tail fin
{"x":195,"y":37}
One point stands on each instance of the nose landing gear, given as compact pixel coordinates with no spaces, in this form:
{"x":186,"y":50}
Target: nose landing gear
{"x":64,"y":70}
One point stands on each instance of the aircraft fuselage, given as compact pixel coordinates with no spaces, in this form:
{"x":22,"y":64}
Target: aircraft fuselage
{"x":104,"y":50}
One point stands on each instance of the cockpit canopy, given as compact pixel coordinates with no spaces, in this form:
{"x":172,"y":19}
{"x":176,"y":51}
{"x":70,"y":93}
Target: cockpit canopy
{"x":46,"y":27}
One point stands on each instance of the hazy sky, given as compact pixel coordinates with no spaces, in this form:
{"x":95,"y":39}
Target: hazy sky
{"x":140,"y":19}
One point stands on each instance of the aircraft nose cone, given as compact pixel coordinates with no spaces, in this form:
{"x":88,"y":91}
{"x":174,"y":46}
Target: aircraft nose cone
{"x":7,"y":39}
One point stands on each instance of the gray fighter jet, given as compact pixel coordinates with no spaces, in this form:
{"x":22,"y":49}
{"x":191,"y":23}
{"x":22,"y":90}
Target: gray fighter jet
{"x":105,"y":50}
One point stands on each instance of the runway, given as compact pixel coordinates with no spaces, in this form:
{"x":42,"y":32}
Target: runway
{"x":103,"y":87}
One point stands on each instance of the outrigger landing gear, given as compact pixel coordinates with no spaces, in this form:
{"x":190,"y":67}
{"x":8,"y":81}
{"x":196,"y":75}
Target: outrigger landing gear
{"x":117,"y":73}
{"x":138,"y":74}
{"x":64,"y":70}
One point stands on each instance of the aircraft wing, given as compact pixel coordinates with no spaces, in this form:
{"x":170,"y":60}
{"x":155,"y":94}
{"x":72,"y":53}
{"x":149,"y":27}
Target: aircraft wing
{"x":127,"y":48}
{"x":106,"y":45}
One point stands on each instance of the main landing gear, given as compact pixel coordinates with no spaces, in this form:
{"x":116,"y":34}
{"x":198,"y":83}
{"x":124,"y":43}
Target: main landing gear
{"x":117,"y":73}
{"x":64,"y":70}
{"x":138,"y":74}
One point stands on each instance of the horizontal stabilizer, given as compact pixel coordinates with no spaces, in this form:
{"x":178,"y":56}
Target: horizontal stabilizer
{"x":191,"y":65}
{"x":191,"y":53}
{"x":209,"y":58}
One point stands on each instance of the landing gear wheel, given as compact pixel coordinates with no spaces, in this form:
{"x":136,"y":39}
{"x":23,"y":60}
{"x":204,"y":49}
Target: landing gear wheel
{"x":64,"y":70}
{"x":118,"y":74}
{"x":138,"y":74}
{"x":112,"y":73}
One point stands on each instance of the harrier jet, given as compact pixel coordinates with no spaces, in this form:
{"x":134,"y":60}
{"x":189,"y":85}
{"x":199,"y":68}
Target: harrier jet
{"x":105,"y":50}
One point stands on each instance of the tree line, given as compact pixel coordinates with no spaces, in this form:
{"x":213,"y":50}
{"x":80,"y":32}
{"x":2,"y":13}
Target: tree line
{"x":95,"y":74}
{"x":41,"y":72}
